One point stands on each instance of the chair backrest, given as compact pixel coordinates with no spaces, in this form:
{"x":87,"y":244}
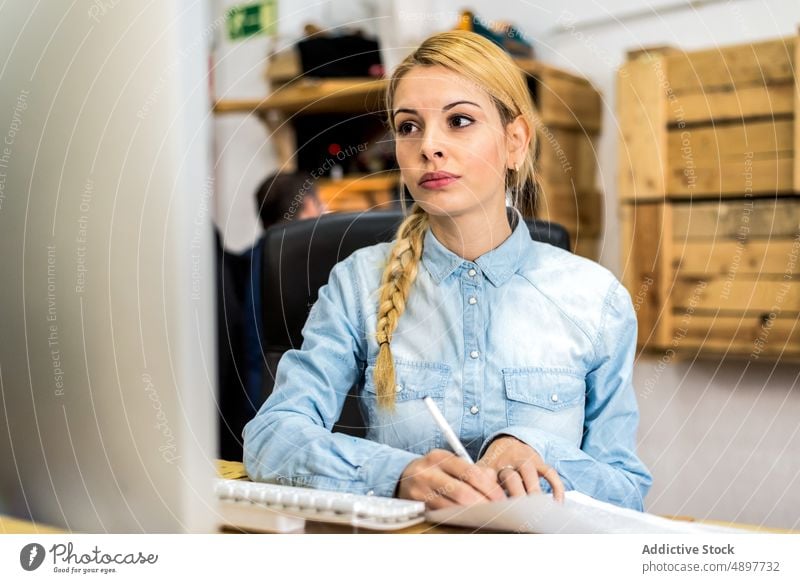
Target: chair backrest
{"x":297,"y":260}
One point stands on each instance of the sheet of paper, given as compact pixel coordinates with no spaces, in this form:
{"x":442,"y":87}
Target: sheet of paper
{"x":579,"y":514}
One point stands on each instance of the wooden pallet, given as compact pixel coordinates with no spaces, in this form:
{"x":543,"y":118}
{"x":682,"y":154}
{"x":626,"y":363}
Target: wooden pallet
{"x":709,"y":181}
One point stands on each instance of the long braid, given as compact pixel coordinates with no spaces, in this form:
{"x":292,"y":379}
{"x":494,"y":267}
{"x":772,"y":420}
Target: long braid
{"x":398,"y":277}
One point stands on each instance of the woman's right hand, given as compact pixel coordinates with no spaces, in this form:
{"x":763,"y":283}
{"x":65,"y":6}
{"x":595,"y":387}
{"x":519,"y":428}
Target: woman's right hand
{"x":442,"y":479}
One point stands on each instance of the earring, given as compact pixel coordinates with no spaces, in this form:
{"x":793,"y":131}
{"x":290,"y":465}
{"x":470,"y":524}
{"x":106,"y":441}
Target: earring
{"x":516,"y":168}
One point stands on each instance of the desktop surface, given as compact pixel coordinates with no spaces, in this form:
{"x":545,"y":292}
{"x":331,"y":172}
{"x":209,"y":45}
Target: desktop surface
{"x":235,"y":471}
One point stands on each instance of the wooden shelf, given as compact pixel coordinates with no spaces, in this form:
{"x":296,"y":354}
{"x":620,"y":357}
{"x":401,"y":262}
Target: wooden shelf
{"x":315,"y":96}
{"x":359,"y":191}
{"x":571,"y":98}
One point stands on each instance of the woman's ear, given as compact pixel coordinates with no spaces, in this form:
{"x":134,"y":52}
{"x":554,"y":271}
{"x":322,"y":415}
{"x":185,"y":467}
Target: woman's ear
{"x":518,"y":137}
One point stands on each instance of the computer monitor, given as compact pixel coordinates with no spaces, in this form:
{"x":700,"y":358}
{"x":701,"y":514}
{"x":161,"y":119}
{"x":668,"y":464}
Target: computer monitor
{"x":107,"y":352}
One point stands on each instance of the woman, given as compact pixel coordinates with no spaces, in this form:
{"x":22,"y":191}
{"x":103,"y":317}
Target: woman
{"x":527,"y":349}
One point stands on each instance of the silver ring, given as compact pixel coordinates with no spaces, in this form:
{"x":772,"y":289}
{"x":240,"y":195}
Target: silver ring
{"x":508,"y":467}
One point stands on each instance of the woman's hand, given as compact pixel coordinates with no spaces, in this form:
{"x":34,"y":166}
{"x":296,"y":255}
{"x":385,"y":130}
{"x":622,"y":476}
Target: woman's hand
{"x":519,"y":466}
{"x":442,"y":479}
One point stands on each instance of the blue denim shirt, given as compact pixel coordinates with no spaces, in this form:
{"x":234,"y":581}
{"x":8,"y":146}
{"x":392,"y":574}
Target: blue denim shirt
{"x":528,"y":340}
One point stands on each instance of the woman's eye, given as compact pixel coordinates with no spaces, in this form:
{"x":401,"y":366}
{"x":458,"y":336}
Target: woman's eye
{"x":461,"y":117}
{"x":456,"y":121}
{"x":405,"y":128}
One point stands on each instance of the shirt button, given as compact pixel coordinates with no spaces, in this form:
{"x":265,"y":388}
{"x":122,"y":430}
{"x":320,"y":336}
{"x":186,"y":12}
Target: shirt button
{"x":554,"y":398}
{"x":474,"y":354}
{"x":474,"y":410}
{"x":472,"y":272}
{"x":398,"y":388}
{"x":473,"y":300}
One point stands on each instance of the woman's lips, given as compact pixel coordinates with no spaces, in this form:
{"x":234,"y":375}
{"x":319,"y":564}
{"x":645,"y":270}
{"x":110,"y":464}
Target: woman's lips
{"x":438,"y":182}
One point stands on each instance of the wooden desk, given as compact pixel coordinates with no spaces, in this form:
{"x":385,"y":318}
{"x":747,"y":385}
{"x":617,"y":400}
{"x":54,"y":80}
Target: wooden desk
{"x":10,"y":525}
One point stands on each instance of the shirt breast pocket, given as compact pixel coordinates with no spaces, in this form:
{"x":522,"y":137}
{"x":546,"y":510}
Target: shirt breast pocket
{"x":410,"y":426}
{"x":550,"y":400}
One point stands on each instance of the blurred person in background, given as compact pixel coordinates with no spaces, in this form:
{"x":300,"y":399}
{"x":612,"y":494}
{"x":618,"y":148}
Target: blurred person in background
{"x":280,"y":198}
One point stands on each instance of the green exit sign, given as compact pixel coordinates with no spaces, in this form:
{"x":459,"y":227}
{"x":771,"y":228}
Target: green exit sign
{"x":251,"y":19}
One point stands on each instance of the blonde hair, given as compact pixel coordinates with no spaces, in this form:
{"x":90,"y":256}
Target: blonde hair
{"x":483,"y":63}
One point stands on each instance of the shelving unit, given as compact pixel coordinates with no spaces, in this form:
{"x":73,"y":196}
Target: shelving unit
{"x":569,"y":109}
{"x":709,"y":179}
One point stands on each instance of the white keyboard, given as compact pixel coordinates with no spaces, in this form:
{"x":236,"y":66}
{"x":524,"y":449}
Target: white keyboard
{"x":272,"y":507}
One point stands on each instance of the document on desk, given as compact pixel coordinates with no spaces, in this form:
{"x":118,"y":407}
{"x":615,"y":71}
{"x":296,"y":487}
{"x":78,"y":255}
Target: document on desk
{"x":579,"y":514}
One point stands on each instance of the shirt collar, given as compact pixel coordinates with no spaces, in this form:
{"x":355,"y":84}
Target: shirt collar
{"x":498,"y":264}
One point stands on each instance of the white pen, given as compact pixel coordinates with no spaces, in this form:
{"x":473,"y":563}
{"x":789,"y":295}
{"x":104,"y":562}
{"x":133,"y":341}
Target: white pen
{"x":449,"y":434}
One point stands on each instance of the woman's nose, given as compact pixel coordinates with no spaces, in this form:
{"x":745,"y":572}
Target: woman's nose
{"x":432,"y":145}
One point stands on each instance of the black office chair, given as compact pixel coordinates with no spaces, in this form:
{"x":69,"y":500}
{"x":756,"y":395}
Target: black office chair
{"x":297,"y":261}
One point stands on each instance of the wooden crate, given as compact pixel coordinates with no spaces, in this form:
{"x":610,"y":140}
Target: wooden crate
{"x":719,"y":122}
{"x":709,"y":178}
{"x":767,"y":62}
{"x":715,"y":275}
{"x":645,"y":267}
{"x":568,"y":158}
{"x":580,"y":213}
{"x":569,"y":120}
{"x":748,"y":156}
